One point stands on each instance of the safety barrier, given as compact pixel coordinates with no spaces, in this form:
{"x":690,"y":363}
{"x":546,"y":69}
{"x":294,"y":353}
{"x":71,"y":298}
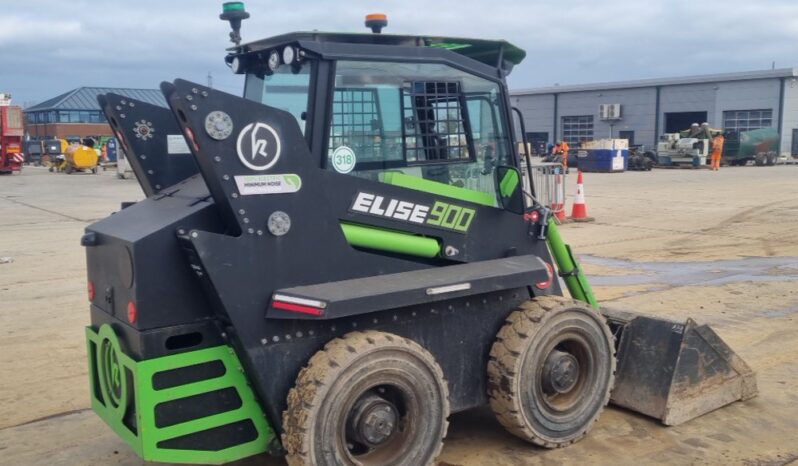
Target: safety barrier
{"x":548,"y":180}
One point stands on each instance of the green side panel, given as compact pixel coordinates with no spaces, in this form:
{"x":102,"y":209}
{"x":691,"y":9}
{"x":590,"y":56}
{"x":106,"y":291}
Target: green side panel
{"x":441,"y":189}
{"x":577,"y":283}
{"x":508,"y":183}
{"x":390,"y":241}
{"x":123,"y":394}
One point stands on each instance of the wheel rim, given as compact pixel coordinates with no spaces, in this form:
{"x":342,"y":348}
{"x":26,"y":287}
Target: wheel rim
{"x":564,"y":381}
{"x":564,"y":374}
{"x":378,"y":423}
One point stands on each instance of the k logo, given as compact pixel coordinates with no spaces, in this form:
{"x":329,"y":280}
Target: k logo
{"x":258,"y":146}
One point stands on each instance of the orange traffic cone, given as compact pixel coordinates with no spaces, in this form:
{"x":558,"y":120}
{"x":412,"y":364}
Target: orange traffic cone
{"x":558,"y":203}
{"x":579,"y":211}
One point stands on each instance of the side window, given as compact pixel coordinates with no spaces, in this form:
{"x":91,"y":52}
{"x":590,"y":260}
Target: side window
{"x":287,"y":89}
{"x":399,"y":122}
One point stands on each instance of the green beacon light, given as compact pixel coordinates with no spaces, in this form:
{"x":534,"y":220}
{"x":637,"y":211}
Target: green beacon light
{"x":234,"y":12}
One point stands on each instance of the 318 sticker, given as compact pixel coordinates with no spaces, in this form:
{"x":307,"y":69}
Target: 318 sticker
{"x":343,"y":159}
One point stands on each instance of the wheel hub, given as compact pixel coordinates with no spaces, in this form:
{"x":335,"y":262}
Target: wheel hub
{"x":560,"y":372}
{"x":373,"y":420}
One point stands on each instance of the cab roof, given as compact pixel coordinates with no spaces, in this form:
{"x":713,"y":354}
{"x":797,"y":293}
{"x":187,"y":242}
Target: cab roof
{"x":489,"y":52}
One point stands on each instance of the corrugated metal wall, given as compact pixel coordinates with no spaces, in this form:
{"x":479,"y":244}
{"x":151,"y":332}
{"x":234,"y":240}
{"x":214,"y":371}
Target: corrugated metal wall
{"x":639,"y":106}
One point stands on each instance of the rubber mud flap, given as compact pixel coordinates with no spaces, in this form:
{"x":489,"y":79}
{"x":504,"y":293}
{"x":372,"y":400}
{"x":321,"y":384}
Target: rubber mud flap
{"x":675,"y":371}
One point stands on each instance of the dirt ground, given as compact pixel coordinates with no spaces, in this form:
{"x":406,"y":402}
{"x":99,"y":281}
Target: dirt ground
{"x":721,"y":247}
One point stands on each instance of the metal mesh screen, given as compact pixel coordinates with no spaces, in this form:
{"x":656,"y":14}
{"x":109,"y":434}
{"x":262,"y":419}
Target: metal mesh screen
{"x":434,"y":125}
{"x":356,"y":122}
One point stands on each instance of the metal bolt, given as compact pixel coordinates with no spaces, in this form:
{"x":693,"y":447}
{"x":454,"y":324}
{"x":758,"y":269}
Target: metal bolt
{"x":193,"y":107}
{"x":157,"y":186}
{"x":194,"y":234}
{"x":188,"y":97}
{"x":260,"y":232}
{"x":287,"y":336}
{"x":181,"y":232}
{"x":143,"y":157}
{"x":275,"y":338}
{"x":123,"y":101}
{"x":234,"y":195}
{"x":226,"y":177}
{"x":246,"y":220}
{"x":263,"y":341}
{"x":251,"y":231}
{"x":121,"y":115}
{"x":299,"y":334}
{"x":132,"y":104}
{"x":150,"y":172}
{"x":194,"y":90}
{"x":310,"y":332}
{"x":119,"y":107}
{"x":204,"y":94}
{"x":242,"y":211}
{"x":217,"y":159}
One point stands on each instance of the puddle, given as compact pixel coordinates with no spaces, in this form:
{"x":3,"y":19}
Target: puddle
{"x":781,"y":312}
{"x":711,"y":273}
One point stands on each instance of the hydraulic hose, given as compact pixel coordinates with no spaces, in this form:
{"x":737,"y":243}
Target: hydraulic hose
{"x":567,"y":266}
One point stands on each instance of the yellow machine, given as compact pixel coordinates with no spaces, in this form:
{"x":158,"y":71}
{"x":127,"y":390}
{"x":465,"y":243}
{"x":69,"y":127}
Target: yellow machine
{"x":77,"y":157}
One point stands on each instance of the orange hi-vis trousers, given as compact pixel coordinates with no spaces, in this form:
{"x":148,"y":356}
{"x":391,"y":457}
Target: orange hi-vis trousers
{"x":716,"y":160}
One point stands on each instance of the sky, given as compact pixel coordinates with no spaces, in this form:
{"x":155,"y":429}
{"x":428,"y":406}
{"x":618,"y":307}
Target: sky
{"x":48,"y":47}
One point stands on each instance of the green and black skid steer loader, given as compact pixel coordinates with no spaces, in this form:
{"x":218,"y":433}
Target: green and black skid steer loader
{"x":329,"y":266}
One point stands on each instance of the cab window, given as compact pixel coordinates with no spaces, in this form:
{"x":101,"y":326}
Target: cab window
{"x":394,"y":121}
{"x":287,"y":89}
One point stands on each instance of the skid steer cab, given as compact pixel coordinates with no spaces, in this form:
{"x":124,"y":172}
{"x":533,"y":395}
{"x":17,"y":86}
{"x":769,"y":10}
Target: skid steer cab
{"x":329,"y":266}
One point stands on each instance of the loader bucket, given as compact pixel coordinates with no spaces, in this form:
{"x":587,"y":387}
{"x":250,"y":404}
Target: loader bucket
{"x":674,"y":371}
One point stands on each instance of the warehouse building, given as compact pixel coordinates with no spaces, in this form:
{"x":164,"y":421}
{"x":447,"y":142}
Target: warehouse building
{"x":76,"y":114}
{"x":643,"y":110}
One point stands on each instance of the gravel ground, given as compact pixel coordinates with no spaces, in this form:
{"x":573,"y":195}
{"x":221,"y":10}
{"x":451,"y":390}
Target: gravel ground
{"x":721,"y":247}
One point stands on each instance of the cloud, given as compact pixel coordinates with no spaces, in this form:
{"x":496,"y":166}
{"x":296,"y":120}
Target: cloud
{"x":60,"y":45}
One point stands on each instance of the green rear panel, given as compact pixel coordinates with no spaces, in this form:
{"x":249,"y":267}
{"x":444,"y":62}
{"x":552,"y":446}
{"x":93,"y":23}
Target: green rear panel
{"x":124,"y":394}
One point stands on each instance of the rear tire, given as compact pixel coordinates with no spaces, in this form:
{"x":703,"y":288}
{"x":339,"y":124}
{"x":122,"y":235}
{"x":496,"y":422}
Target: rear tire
{"x":771,"y":159}
{"x":551,"y":371}
{"x":368,"y":398}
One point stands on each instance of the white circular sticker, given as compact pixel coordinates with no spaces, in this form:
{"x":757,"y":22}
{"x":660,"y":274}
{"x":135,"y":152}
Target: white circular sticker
{"x":258,"y":146}
{"x":343,"y":159}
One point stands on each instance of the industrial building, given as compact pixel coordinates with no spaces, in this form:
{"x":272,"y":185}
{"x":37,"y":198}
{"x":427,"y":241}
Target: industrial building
{"x":76,"y":114}
{"x":642,"y":110}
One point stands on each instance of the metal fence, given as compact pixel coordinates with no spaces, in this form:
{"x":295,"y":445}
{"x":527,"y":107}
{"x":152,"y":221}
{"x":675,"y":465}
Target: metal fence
{"x":548,"y":180}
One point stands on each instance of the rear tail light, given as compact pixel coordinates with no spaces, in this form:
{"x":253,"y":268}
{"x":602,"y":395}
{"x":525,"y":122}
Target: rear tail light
{"x":90,"y":289}
{"x":132,"y":312}
{"x":532,"y":217}
{"x":547,"y":283}
{"x":296,"y":304}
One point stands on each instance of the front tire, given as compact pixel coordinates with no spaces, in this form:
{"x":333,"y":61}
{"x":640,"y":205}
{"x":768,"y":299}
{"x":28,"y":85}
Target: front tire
{"x":551,"y":371}
{"x":368,"y":398}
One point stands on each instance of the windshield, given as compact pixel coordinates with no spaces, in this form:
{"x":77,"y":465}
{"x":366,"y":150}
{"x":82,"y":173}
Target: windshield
{"x":286,"y":89}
